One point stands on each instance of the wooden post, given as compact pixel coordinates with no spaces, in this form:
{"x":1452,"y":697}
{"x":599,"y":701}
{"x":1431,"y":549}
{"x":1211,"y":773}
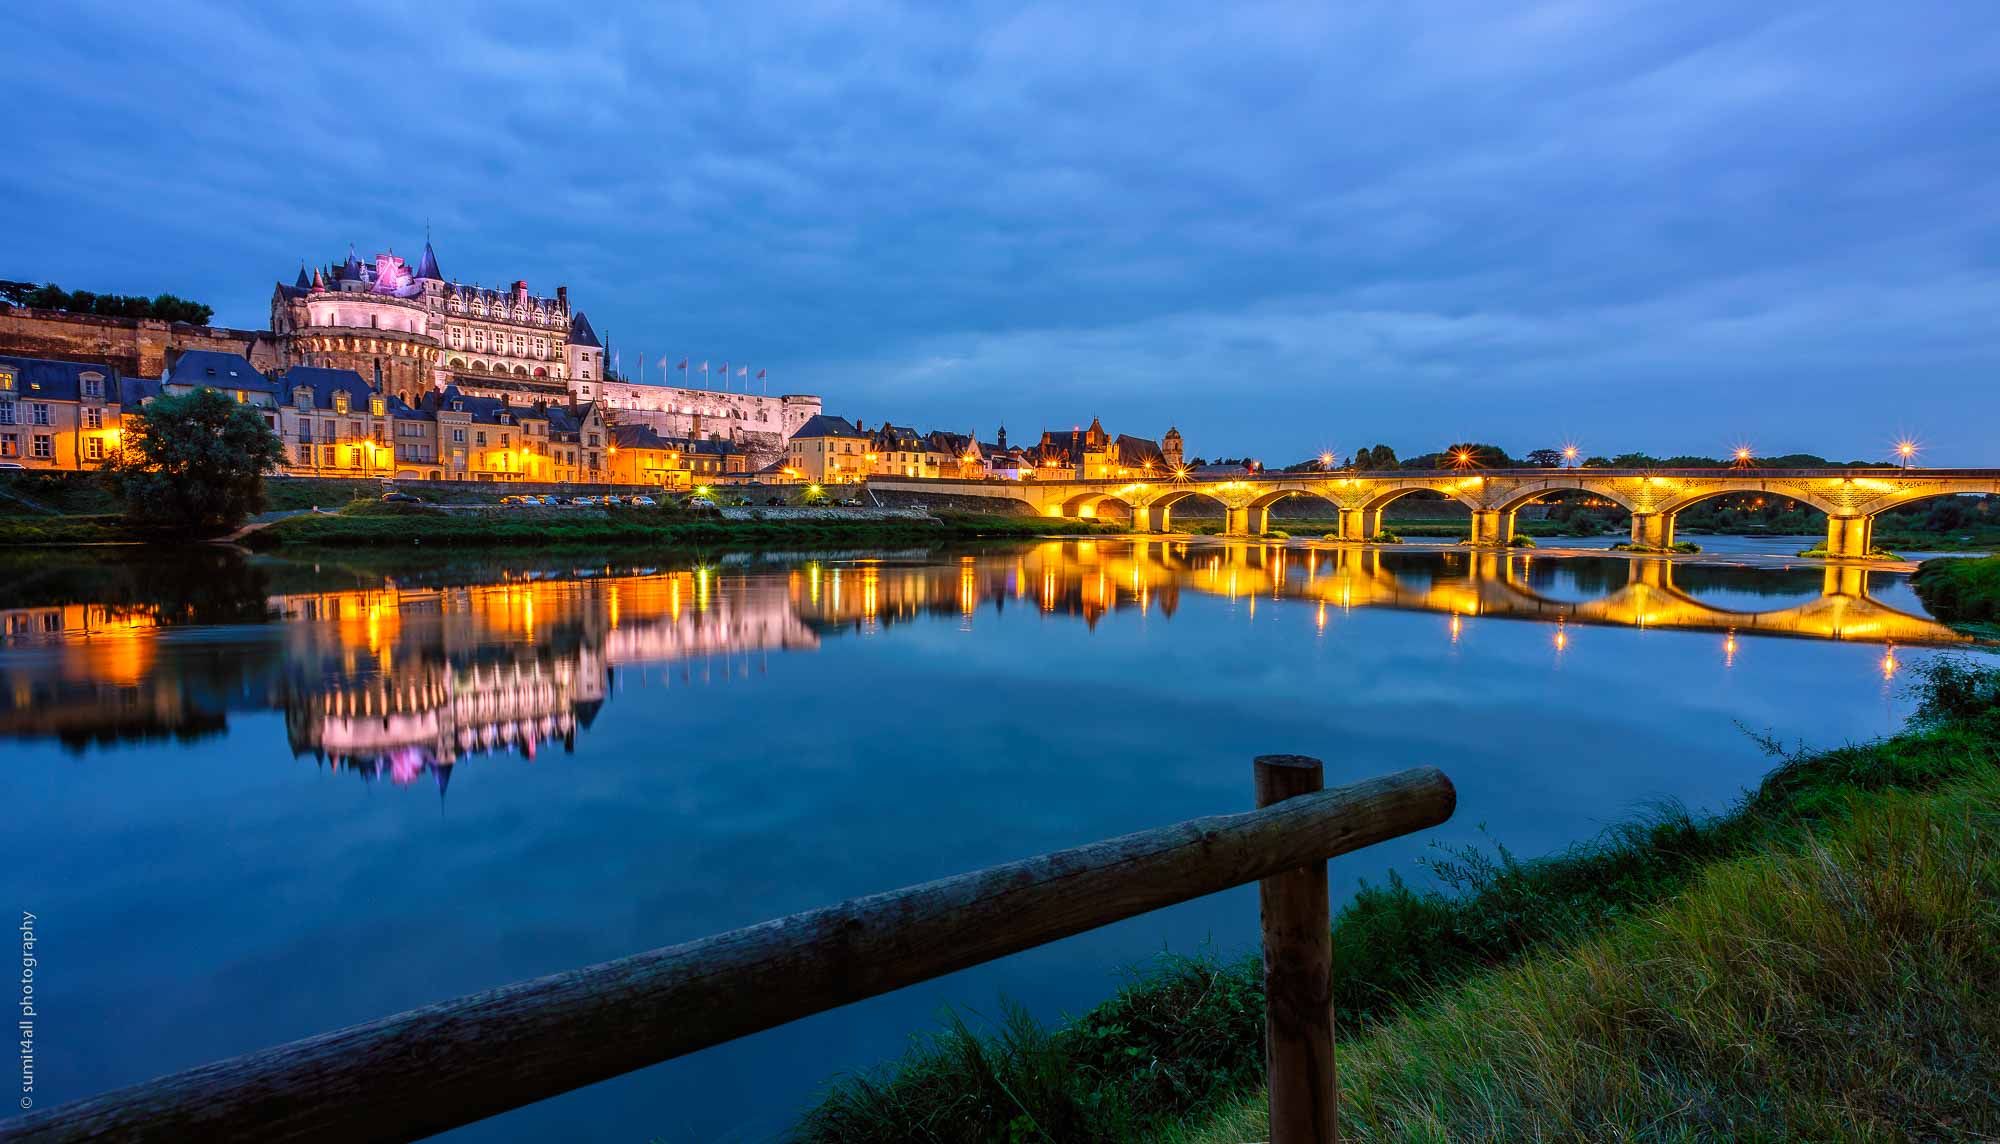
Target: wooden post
{"x":1304,"y":1092}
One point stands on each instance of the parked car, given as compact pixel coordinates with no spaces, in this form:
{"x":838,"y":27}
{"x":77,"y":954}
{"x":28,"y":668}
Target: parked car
{"x":517,"y":500}
{"x":552,"y":500}
{"x":588,"y":501}
{"x":642,"y":502}
{"x":700,"y":502}
{"x":401,"y":498}
{"x":12,"y":465}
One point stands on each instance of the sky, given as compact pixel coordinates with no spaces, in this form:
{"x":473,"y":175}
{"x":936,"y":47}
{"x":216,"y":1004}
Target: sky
{"x":1665,"y":227}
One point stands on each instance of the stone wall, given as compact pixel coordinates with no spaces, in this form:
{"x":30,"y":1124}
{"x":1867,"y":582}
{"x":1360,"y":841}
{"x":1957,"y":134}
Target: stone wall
{"x":138,"y":347}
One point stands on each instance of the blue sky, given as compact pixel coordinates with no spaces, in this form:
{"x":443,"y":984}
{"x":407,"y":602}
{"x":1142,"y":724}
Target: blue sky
{"x":1657,"y":226}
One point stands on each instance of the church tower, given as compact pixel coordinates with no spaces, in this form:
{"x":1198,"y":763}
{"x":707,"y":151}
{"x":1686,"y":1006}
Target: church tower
{"x":1170,"y":447}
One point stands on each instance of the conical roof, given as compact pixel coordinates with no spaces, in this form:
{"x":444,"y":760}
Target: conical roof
{"x":427,"y":267}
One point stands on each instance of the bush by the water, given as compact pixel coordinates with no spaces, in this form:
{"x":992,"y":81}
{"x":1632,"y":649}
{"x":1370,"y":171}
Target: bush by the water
{"x":1128,"y":1067}
{"x":1960,"y":590}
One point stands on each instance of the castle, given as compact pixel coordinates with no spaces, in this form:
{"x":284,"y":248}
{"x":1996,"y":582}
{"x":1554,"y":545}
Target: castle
{"x":409,"y":331}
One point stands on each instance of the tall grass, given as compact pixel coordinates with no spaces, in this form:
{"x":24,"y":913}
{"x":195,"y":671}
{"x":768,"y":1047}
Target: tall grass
{"x":1960,"y":590}
{"x":1840,"y":988}
{"x":1183,"y":1034}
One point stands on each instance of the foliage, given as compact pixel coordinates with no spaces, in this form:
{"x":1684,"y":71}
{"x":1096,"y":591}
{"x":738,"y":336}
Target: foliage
{"x":1958,"y":590}
{"x":1396,"y":946}
{"x":195,"y":462}
{"x":664,"y":526}
{"x":1520,"y":540}
{"x":1545,"y":458}
{"x":49,"y":296}
{"x":1375,"y":459}
{"x":1463,"y":455}
{"x":1837,"y":986}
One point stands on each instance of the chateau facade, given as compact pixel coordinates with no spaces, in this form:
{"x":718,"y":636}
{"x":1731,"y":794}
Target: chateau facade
{"x":409,"y":332}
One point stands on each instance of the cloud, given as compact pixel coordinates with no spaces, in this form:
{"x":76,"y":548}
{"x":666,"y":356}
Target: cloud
{"x":1658,"y":225}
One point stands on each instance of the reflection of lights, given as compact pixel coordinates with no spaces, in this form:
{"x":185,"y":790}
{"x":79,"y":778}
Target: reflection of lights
{"x":1457,"y":626}
{"x":1889,"y":664}
{"x":1562,"y":638}
{"x":1729,"y":650}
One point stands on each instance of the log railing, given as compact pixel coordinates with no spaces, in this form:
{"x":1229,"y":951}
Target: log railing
{"x":444,"y":1065}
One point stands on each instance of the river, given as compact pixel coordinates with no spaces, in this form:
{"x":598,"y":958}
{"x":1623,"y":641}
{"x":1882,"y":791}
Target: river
{"x":254,"y":799}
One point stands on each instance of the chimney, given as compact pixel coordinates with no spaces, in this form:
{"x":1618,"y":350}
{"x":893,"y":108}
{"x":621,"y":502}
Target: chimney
{"x":521,"y":289}
{"x":562,"y":298}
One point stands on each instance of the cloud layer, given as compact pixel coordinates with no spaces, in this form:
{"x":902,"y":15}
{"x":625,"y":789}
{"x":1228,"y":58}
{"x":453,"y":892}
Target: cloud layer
{"x":1645,"y":226}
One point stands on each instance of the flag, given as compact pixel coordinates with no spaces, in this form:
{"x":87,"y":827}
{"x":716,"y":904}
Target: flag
{"x":704,"y":367}
{"x":683,"y":366}
{"x":744,"y":371}
{"x":760,"y":375}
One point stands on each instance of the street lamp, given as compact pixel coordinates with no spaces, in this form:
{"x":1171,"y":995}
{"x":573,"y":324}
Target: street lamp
{"x":1906,"y":450}
{"x":1743,"y":456}
{"x":1569,"y":456}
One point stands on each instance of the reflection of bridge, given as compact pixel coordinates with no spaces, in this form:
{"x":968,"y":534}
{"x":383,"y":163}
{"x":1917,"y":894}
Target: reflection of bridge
{"x":1496,"y":584}
{"x":1851,"y":498}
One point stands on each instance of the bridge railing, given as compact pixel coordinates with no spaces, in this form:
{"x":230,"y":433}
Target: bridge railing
{"x":455,"y":1062}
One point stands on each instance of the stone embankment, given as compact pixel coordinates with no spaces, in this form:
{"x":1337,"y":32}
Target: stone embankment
{"x":822,"y":512}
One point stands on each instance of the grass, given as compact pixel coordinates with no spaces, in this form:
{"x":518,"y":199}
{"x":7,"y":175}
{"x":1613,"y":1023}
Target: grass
{"x":26,"y":531}
{"x":1183,"y":1035}
{"x":1960,"y":590}
{"x":527,"y":528}
{"x":1838,"y":987}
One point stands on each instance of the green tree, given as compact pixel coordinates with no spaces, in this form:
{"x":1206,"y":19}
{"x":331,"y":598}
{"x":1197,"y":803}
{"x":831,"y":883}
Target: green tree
{"x":1375,"y":458}
{"x":196,"y":462}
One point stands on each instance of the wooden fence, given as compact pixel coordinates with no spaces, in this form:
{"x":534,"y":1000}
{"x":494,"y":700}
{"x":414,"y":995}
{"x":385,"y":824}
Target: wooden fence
{"x":448,"y":1064}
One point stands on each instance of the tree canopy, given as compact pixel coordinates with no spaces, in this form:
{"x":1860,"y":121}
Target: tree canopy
{"x":49,"y":296}
{"x":196,"y":462}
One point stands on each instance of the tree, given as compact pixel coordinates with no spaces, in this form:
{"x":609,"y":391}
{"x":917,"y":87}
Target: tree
{"x":1472,"y":455}
{"x":1546,"y":458}
{"x":196,"y":462}
{"x":1375,"y":458}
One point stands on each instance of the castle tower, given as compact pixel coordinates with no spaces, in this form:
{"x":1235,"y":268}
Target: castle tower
{"x":1170,"y":447}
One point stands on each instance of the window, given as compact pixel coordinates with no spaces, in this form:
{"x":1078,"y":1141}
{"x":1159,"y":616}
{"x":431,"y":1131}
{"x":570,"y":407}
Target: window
{"x":93,"y":417}
{"x":593,"y":440}
{"x":377,"y":406}
{"x":6,"y":413}
{"x":354,"y":428}
{"x":93,"y":385}
{"x":38,"y":412}
{"x":354,"y":458}
{"x":458,"y":436}
{"x":479,"y":438}
{"x":332,"y":456}
{"x":305,"y":454}
{"x":45,"y":446}
{"x":340,"y":401}
{"x":6,"y":381}
{"x":10,"y":444}
{"x":504,"y":440}
{"x":93,"y":448}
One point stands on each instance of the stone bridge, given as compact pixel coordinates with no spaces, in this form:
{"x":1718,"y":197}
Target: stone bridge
{"x":1850,"y":498}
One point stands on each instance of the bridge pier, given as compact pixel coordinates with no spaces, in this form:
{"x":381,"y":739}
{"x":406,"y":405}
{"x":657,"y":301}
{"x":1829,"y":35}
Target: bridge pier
{"x":1653,"y":529}
{"x":1360,"y":524}
{"x":1852,"y":536}
{"x":1246,"y":521}
{"x":1144,"y":520}
{"x":1491,"y":526}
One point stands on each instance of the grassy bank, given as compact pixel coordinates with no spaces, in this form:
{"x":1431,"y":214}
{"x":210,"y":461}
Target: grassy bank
{"x":1182,"y":1039}
{"x":1837,"y":987}
{"x":1961,"y":590}
{"x":617,"y":527}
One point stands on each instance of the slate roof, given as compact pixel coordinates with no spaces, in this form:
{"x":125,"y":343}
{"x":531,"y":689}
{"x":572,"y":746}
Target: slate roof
{"x":481,"y":410}
{"x":427,"y":267}
{"x":217,"y":370}
{"x":324,"y":383}
{"x":580,"y":333}
{"x":824,"y":425}
{"x":41,"y":378}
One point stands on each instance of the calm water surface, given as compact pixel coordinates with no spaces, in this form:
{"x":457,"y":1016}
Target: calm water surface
{"x":252,"y":801}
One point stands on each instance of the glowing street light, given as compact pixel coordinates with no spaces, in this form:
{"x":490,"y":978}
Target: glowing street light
{"x":1326,"y":461}
{"x":1743,"y":456}
{"x":1569,"y":456}
{"x":1462,"y":459}
{"x":1906,"y":450}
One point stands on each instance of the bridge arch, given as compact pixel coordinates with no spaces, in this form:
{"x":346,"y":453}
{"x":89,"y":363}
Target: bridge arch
{"x":1526,"y":495}
{"x":1806,"y":496}
{"x":1160,"y":510}
{"x":1895,"y":498}
{"x":1381,"y":499}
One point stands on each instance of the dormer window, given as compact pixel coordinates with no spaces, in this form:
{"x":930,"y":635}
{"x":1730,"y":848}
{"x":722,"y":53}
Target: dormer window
{"x":340,"y":401}
{"x":302,"y":398}
{"x":93,"y":384}
{"x":377,"y":406}
{"x":458,"y":407}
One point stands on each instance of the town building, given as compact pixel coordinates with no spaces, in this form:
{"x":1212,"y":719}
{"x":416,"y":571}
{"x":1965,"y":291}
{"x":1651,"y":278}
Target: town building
{"x":1094,"y":454}
{"x":828,"y":450}
{"x":58,"y":414}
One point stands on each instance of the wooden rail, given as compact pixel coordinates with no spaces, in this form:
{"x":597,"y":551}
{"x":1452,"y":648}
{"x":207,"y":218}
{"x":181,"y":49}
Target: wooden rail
{"x":448,"y":1064}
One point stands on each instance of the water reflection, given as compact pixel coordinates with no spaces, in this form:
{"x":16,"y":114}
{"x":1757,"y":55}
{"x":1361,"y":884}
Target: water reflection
{"x":403,"y":675}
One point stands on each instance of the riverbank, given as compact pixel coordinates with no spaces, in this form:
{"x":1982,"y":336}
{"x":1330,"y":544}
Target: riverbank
{"x":383,"y":526}
{"x":1961,"y":591}
{"x":1177,"y":1052}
